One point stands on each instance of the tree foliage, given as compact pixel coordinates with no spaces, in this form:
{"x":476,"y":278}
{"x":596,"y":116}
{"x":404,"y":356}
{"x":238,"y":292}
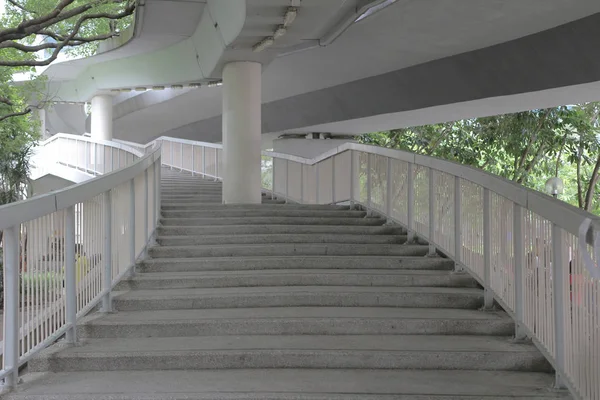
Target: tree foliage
{"x":526,"y":147}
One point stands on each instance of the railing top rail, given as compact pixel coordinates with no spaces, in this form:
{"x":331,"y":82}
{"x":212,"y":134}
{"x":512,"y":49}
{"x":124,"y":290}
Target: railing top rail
{"x":81,"y":138}
{"x":35,"y":207}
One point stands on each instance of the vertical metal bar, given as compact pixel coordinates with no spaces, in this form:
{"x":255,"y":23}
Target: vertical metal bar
{"x":287,"y":179}
{"x":410,"y":207}
{"x":301,"y":183}
{"x":118,"y":158}
{"x":488,"y":296}
{"x":352,"y":174}
{"x":132,"y":249}
{"x":171,"y":145}
{"x":457,"y":225}
{"x":518,"y":240}
{"x":193,"y":163}
{"x":432,"y":219}
{"x":70,"y":276}
{"x":333,"y":180}
{"x":146,"y":190}
{"x":216,"y":164}
{"x":273,"y":178}
{"x":107,"y":282}
{"x":388,"y":185}
{"x":181,"y":156}
{"x":559,"y":267}
{"x":368,"y":183}
{"x":317,"y":183}
{"x":87,"y":156}
{"x":156,"y":194}
{"x":11,"y":305}
{"x":203,"y":162}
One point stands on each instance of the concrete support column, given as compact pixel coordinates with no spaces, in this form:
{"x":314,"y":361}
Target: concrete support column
{"x":102,"y":117}
{"x":242,"y":133}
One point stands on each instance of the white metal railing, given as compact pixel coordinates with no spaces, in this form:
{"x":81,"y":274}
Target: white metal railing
{"x":64,"y":251}
{"x":92,"y":156}
{"x":506,"y":236}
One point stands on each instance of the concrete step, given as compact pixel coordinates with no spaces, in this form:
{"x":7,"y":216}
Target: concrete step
{"x":293,"y":262}
{"x":296,"y":321}
{"x":228,"y":213}
{"x":272,"y":221}
{"x":299,"y":296}
{"x":296,"y":277}
{"x":289,"y":384}
{"x":486,"y":353}
{"x":364,"y":231}
{"x":285,"y":249}
{"x":186,"y":206}
{"x":279,"y":238}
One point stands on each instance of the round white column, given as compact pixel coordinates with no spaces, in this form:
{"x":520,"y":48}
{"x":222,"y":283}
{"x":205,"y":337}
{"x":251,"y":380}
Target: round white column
{"x":102,"y":117}
{"x":241,"y":133}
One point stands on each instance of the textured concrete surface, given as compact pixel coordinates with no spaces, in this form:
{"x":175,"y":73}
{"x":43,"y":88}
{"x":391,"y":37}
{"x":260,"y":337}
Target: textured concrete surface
{"x":287,"y":384}
{"x":290,"y":307}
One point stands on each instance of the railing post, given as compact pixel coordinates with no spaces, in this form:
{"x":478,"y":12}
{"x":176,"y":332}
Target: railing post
{"x":388,"y":186}
{"x":272,"y":178}
{"x":107,"y":256}
{"x":352,"y":172}
{"x":157,"y":176}
{"x":216,"y":164}
{"x":432,"y":220}
{"x":118,"y":158}
{"x":558,"y":269}
{"x":301,"y":183}
{"x":11,"y":305}
{"x":132,"y":248}
{"x":146,"y":194}
{"x":287,"y":179}
{"x":181,"y":156}
{"x":518,"y":240}
{"x":368,"y":184}
{"x":172,"y":161}
{"x":193,"y":163}
{"x":317,"y":183}
{"x":204,"y":162}
{"x":87,"y":156}
{"x":488,"y":295}
{"x":70,"y":276}
{"x":410,"y":207}
{"x":457,"y":225}
{"x":333,"y":179}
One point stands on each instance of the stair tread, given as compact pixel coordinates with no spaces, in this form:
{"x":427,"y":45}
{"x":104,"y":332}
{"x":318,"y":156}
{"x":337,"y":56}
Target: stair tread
{"x":320,"y":271}
{"x":369,"y":313}
{"x":387,"y":343}
{"x":262,"y":290}
{"x":299,"y":384}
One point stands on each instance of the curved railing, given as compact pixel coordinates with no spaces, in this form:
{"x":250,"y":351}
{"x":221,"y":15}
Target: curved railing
{"x":503,"y":234}
{"x":64,"y":251}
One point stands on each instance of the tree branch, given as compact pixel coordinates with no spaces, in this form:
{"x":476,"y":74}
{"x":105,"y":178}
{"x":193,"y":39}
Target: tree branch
{"x":15,"y":114}
{"x":20,"y":7}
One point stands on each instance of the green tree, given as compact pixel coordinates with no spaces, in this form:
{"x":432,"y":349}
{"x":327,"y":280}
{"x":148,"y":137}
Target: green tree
{"x":526,"y":147}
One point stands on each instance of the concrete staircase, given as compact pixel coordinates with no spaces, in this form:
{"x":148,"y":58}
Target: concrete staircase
{"x":279,"y":301}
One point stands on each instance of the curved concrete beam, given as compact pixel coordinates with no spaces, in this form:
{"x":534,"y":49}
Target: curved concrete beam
{"x":191,"y":60}
{"x":555,"y":58}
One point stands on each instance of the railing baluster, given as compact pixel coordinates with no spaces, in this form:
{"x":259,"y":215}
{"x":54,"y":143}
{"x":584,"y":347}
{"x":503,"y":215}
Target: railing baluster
{"x":193,"y":163}
{"x":518,"y":240}
{"x":11,"y":305}
{"x":388,"y":198}
{"x":410,"y":207}
{"x":317,"y":183}
{"x":488,"y":295}
{"x":333,"y":180}
{"x":352,"y":174}
{"x":204,"y":162}
{"x":368,"y":183}
{"x":146,"y":194}
{"x":432,"y":216}
{"x":107,"y":256}
{"x":558,"y":281}
{"x":132,"y":248}
{"x":287,"y":179}
{"x":457,"y":225}
{"x":70,"y":276}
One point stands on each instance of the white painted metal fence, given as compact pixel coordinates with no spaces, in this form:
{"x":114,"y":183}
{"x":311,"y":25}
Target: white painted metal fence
{"x":65,"y":251}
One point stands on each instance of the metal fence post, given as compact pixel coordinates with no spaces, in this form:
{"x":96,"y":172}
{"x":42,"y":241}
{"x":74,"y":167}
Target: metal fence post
{"x":287,"y":179}
{"x":368,"y":184}
{"x":333,"y":180}
{"x":558,"y":268}
{"x":181,"y":156}
{"x":488,"y":295}
{"x":107,"y":281}
{"x":132,"y":248}
{"x":157,"y":175}
{"x":352,"y":172}
{"x":518,"y":240}
{"x":193,"y":163}
{"x":171,"y":145}
{"x":204,"y":162}
{"x":272,"y":178}
{"x":317,"y":183}
{"x":457,"y":225}
{"x":410,"y":207}
{"x":432,"y":219}
{"x":70,"y":276}
{"x":301,"y":183}
{"x":11,"y":305}
{"x":146,"y":194}
{"x":388,"y":186}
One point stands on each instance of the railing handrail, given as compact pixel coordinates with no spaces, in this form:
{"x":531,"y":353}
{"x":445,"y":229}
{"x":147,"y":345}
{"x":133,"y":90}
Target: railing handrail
{"x":82,"y":138}
{"x":35,"y":207}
